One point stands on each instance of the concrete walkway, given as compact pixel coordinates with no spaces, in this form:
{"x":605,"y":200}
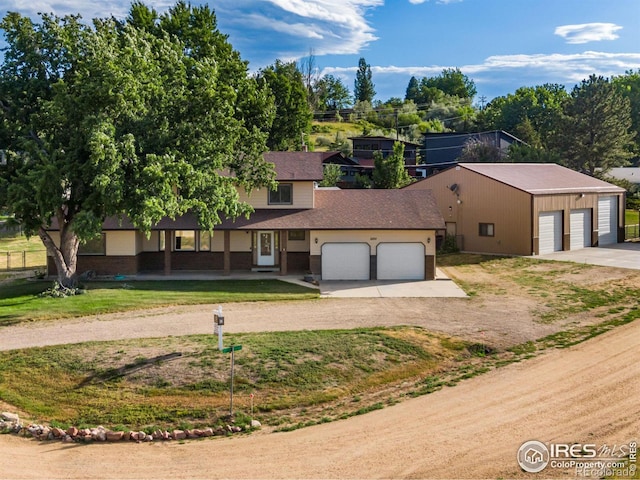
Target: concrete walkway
{"x":622,"y":255}
{"x":442,"y":287}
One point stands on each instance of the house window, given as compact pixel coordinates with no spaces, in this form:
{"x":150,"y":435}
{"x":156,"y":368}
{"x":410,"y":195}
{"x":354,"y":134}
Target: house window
{"x":296,"y":235}
{"x":95,"y":246}
{"x":283,"y":195}
{"x":184,"y":240}
{"x":205,"y":241}
{"x":486,"y":230}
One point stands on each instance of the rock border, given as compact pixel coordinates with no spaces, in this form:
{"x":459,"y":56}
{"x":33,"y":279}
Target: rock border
{"x":10,"y":423}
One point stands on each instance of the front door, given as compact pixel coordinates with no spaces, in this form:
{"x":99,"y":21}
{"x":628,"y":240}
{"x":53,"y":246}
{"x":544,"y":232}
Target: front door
{"x":266,"y":254}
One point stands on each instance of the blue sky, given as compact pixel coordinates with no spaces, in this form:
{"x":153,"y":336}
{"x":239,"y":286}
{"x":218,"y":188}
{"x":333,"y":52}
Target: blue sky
{"x":500,"y":44}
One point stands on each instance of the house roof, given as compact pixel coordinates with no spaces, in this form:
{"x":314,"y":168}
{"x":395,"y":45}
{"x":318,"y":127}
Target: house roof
{"x":538,"y":178}
{"x":377,"y":137}
{"x":630,"y":174}
{"x":349,"y":209}
{"x":297,"y":165}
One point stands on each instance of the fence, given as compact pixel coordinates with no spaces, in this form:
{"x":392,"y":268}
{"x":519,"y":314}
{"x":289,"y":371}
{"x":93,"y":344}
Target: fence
{"x":23,"y":260}
{"x":631,"y":232}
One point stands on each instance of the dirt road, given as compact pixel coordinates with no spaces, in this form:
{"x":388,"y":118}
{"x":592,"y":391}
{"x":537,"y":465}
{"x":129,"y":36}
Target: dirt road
{"x":586,"y":394}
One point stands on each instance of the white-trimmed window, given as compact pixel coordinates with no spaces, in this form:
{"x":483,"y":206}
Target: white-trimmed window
{"x":283,"y":195}
{"x":486,"y":230}
{"x":95,"y":246}
{"x":184,"y":240}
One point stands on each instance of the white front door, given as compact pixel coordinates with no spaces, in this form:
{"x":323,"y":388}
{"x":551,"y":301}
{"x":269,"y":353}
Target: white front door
{"x":266,"y":254}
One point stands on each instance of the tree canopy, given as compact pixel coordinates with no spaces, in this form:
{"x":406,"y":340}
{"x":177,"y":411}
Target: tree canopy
{"x":596,"y":128}
{"x":293,"y":114}
{"x":364,"y":89}
{"x":137,"y":118}
{"x":389,"y":171}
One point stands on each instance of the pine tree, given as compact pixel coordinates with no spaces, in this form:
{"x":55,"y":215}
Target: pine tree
{"x":364,"y":89}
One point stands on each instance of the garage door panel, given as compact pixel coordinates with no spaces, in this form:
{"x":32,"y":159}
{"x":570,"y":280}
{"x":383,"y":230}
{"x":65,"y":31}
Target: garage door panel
{"x":346,"y":261}
{"x":607,"y":220}
{"x":580,"y":228}
{"x":550,"y":232}
{"x":400,"y":261}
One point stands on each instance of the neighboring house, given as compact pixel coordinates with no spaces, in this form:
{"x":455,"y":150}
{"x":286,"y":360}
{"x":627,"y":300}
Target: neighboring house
{"x":630,"y":174}
{"x":333,"y":234}
{"x":350,"y":168}
{"x":526,"y":209}
{"x":364,"y":147}
{"x":443,"y":149}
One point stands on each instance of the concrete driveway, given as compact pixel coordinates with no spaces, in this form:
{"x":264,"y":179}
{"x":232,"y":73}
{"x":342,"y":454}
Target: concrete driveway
{"x":623,"y":255}
{"x":441,"y":287}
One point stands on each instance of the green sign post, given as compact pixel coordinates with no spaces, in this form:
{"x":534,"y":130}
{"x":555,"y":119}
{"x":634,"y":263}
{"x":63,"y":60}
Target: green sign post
{"x":232,"y":349}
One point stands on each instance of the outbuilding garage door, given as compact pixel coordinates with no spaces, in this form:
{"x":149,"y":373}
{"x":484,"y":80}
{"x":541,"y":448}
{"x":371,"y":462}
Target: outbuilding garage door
{"x":345,"y":261}
{"x":400,"y":261}
{"x":607,"y":220}
{"x":550,"y":232}
{"x":580,"y":221}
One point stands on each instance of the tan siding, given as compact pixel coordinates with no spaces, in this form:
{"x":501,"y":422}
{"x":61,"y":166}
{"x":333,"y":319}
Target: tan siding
{"x":302,"y":197}
{"x":373,"y":238}
{"x":151,"y":244}
{"x":240,"y":241}
{"x":479,"y":199}
{"x":299,"y":245}
{"x":121,"y":242}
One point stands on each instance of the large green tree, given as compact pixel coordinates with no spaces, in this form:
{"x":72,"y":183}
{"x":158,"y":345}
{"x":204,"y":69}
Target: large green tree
{"x":364,"y":88}
{"x":596,"y":129}
{"x":389,"y":171}
{"x":332,"y":93}
{"x":137,"y":119}
{"x":531,"y":113}
{"x":629,"y":87}
{"x":293,"y":114}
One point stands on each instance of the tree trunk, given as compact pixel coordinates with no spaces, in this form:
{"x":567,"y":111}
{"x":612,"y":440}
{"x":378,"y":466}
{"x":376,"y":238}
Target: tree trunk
{"x":64,"y":256}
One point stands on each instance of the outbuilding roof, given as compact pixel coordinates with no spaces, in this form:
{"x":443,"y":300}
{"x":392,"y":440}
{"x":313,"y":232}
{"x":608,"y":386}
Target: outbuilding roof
{"x":541,"y":178}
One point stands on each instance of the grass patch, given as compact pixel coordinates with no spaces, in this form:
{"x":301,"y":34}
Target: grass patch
{"x":297,"y":378}
{"x":20,"y":301}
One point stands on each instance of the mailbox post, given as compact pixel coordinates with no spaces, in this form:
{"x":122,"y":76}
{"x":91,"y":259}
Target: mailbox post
{"x":218,"y":322}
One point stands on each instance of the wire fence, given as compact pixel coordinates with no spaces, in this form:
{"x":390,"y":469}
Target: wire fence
{"x":631,"y":232}
{"x":23,"y":260}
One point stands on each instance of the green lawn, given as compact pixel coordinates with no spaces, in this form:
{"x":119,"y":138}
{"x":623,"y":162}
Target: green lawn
{"x":20,"y":300}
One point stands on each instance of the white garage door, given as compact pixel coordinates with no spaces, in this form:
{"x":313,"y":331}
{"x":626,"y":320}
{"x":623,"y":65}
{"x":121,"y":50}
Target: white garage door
{"x":400,"y":261}
{"x":345,"y":261}
{"x":580,"y":221}
{"x":607,"y":220}
{"x":550,"y":232}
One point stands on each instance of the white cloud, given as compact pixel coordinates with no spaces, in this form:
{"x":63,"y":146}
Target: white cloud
{"x":588,"y":32}
{"x":88,"y":10}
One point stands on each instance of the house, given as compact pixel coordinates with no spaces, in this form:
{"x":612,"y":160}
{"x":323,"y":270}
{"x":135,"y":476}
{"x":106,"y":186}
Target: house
{"x":526,"y":209}
{"x":349,"y":168}
{"x":443,"y":149}
{"x":364,"y":147}
{"x":630,"y":174}
{"x":334,"y":234}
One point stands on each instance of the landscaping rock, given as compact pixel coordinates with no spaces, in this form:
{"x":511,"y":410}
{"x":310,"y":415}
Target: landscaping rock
{"x":179,"y":435}
{"x":255,"y":424}
{"x":114,"y":436}
{"x":58,"y":432}
{"x":72,"y":431}
{"x":10,"y":417}
{"x":207,"y":432}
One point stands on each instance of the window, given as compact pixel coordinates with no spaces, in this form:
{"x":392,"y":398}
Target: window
{"x":486,"y":229}
{"x":95,"y":246}
{"x":283,"y":195}
{"x":205,"y":241}
{"x":184,"y":240}
{"x":296,"y":235}
{"x":161,"y":240}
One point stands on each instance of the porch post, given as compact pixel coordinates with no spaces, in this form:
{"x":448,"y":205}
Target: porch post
{"x":227,"y":252}
{"x":284,"y":235}
{"x":167,"y":252}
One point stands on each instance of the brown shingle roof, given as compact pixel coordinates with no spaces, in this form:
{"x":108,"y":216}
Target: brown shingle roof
{"x":306,"y":166}
{"x":335,"y":210}
{"x":541,"y":178}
